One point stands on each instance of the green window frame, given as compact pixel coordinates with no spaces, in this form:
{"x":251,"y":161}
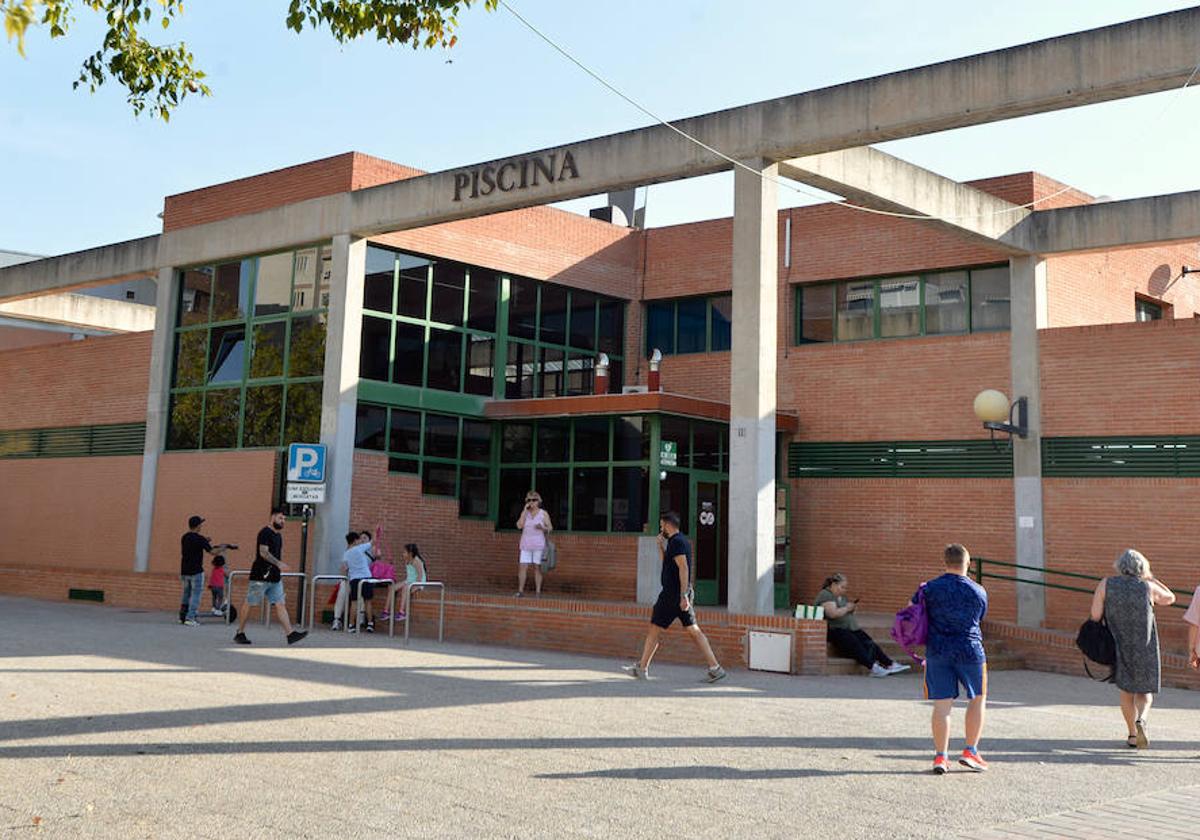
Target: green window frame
{"x":877,"y":286}
{"x":575,"y":359}
{"x":418,"y":463}
{"x":716,"y":338}
{"x":573,"y":465}
{"x":211,"y":414}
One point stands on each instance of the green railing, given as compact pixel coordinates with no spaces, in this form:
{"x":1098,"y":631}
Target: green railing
{"x":900,"y":459}
{"x":1161,"y":456}
{"x":979,"y":572}
{"x":74,"y":441}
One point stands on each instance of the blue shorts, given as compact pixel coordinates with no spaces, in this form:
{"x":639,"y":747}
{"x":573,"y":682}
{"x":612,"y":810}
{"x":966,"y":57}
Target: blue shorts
{"x":943,"y":677}
{"x":259,"y":588}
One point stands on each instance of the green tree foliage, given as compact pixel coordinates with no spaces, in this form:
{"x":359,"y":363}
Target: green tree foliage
{"x":158,"y":78}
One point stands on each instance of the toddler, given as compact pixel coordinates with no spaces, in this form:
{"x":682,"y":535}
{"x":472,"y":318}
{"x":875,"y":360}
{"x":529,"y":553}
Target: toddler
{"x":216,"y":585}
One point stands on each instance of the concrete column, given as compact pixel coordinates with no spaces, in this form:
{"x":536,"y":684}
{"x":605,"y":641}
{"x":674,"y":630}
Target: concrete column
{"x":157,"y":408}
{"x":752,"y":391}
{"x":1029,"y":314}
{"x":339,"y":398}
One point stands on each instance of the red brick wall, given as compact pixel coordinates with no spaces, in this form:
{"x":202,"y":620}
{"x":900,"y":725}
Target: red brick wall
{"x":471,"y":555}
{"x":348,"y":171}
{"x":75,"y":512}
{"x":15,"y":338}
{"x":1055,"y":651}
{"x":231,"y":490}
{"x":910,"y":389}
{"x":1090,"y":521}
{"x":540,"y":242}
{"x":887,"y":535}
{"x":81,"y":383}
{"x":1121,"y":379}
{"x":612,"y":630}
{"x":1100,"y":288}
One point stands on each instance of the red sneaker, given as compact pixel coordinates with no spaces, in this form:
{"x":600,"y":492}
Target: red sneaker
{"x":972,"y":761}
{"x":940,"y":765}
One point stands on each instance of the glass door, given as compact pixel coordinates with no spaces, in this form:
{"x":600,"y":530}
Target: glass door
{"x":708,"y":530}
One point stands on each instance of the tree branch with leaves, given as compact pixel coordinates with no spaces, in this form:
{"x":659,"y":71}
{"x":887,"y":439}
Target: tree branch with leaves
{"x":158,"y":77}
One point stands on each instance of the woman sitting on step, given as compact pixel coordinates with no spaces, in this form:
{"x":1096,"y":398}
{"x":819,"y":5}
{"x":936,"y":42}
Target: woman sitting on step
{"x":843,"y":631}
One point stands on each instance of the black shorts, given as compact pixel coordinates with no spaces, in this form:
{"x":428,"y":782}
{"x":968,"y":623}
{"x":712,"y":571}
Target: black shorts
{"x":368,"y":590}
{"x":666,"y":610}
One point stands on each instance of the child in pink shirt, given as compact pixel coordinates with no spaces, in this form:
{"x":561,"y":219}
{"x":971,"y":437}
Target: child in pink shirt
{"x":216,"y":585}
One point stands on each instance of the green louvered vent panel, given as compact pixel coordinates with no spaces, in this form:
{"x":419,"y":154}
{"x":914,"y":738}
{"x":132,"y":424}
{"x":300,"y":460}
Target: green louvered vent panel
{"x":73,"y":441}
{"x":1161,"y":457}
{"x":901,"y":459}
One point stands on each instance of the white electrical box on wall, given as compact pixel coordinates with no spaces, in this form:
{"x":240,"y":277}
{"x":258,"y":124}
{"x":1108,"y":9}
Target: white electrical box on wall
{"x":770,"y":651}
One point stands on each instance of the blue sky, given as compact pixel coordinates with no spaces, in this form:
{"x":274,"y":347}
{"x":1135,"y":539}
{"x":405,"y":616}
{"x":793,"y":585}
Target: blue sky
{"x":79,"y":170}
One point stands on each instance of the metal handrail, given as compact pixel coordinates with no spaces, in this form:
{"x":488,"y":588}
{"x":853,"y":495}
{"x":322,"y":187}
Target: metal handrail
{"x":316,"y":581}
{"x":231,"y":576}
{"x":977,"y":565}
{"x":416,"y":585}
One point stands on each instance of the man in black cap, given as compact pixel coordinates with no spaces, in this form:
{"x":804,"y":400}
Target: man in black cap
{"x":193,"y":546}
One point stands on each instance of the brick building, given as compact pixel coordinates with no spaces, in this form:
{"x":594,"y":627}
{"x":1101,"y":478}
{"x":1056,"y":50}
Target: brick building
{"x":477,"y":378}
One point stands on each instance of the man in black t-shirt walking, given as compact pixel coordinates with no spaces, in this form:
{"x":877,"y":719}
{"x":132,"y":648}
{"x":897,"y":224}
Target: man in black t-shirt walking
{"x":193,"y":546}
{"x":675,"y":601}
{"x":266,"y":582}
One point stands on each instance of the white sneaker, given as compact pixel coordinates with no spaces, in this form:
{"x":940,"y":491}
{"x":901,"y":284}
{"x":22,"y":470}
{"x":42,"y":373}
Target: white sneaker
{"x":897,"y":668}
{"x":216,"y":611}
{"x":191,"y":623}
{"x":337,"y":625}
{"x":878,"y":670}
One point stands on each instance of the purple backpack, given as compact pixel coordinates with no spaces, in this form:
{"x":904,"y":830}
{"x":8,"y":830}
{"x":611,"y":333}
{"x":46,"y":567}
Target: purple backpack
{"x":911,"y":627}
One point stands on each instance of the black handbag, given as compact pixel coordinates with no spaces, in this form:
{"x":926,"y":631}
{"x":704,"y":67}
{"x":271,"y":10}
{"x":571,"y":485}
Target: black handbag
{"x":1096,"y":642}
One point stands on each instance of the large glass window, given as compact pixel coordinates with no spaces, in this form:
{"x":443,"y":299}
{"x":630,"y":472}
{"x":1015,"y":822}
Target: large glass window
{"x":990,"y":299}
{"x":445,"y":360}
{"x":592,"y":472}
{"x":553,"y":315}
{"x":451,"y":454}
{"x":449,"y":292}
{"x":414,"y":286}
{"x":240,"y":352}
{"x":721,"y":316}
{"x":660,"y":328}
{"x":590,"y":499}
{"x":522,"y":308}
{"x":408,"y":365}
{"x":444,"y":335}
{"x":900,"y":307}
{"x":273,"y":287}
{"x":379,"y":281}
{"x":936,"y":303}
{"x":946,"y":303}
{"x":855,"y":311}
{"x":690,"y":325}
{"x":815,"y":317}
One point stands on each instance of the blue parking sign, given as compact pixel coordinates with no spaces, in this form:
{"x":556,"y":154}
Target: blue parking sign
{"x":306,"y":462}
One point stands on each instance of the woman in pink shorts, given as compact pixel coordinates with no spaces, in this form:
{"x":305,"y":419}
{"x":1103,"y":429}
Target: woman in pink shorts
{"x":534,"y":524}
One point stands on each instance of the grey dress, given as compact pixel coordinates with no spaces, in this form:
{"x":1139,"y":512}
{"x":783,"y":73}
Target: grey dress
{"x":1130,"y":617}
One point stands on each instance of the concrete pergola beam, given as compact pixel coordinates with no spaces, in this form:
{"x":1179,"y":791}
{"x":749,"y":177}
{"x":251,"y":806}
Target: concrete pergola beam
{"x":136,"y":259}
{"x":875,"y":179}
{"x":1128,"y":59}
{"x":1116,"y":224}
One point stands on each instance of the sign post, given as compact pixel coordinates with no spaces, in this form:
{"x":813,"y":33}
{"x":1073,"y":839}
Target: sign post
{"x":306,"y":487}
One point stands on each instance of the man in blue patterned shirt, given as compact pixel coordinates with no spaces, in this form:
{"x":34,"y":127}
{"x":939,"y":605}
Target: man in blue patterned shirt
{"x":954,"y":655}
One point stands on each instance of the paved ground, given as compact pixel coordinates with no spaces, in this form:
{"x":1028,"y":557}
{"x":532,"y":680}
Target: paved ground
{"x":122,"y":724}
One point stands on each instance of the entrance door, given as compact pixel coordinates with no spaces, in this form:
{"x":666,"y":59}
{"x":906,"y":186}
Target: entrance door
{"x":708,"y":543}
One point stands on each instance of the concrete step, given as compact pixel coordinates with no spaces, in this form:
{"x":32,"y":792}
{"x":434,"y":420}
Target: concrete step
{"x":996,"y":662}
